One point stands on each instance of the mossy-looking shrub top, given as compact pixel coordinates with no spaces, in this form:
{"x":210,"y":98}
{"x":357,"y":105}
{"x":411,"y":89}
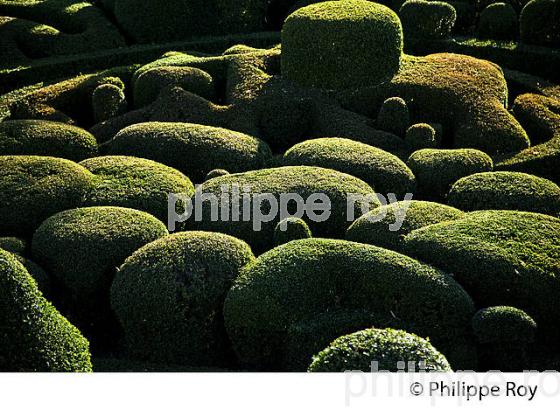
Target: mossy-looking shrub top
{"x":169,"y":295}
{"x":290,"y":229}
{"x":34,"y":188}
{"x":386,"y":347}
{"x":417,"y":214}
{"x":383,"y":171}
{"x":506,"y":190}
{"x":33,"y":335}
{"x":503,"y":325}
{"x":427,"y":19}
{"x":191,"y":148}
{"x":135,"y":183}
{"x":498,"y":21}
{"x":46,"y":138}
{"x":540,"y":23}
{"x":341,"y":44}
{"x":295,"y":282}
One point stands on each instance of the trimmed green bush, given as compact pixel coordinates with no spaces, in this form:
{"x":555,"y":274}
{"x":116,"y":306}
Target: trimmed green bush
{"x":506,"y":190}
{"x":108,"y":101}
{"x":296,"y":282}
{"x":420,"y":136}
{"x":380,"y":169}
{"x":191,"y":148}
{"x":392,"y":350}
{"x":46,"y":138}
{"x":437,"y":169}
{"x":498,"y":21}
{"x":427,"y":19}
{"x":290,"y":229}
{"x":135,"y":183}
{"x":13,"y":245}
{"x":540,"y":23}
{"x":340,"y":44}
{"x":216,"y":173}
{"x":42,"y":278}
{"x":34,"y":188}
{"x":393,"y":116}
{"x":34,"y":336}
{"x":377,"y":227}
{"x":169,"y":295}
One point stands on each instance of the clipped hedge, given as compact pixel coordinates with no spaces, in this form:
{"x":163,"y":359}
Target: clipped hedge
{"x":169,"y":294}
{"x":427,"y":19}
{"x":498,"y":21}
{"x":540,"y":23}
{"x":361,"y":39}
{"x":393,"y":116}
{"x":380,"y":169}
{"x":506,"y":190}
{"x":295,"y":282}
{"x":290,"y":229}
{"x":388,"y":349}
{"x":34,"y":336}
{"x":46,"y":138}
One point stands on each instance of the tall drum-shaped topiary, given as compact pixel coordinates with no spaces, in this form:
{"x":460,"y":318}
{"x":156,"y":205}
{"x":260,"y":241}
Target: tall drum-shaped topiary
{"x":540,"y":23}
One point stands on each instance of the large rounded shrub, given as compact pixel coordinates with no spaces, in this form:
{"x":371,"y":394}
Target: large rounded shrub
{"x":540,"y":23}
{"x":427,"y":19}
{"x":34,"y":188}
{"x":384,"y":349}
{"x":191,"y":148}
{"x":498,"y":21}
{"x":380,"y":169}
{"x":34,"y":336}
{"x":169,"y":295}
{"x":46,"y":138}
{"x":506,"y":190}
{"x":341,"y":44}
{"x":294,"y":283}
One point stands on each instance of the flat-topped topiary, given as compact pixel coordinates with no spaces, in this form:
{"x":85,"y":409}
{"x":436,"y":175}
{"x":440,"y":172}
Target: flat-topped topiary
{"x":34,"y":336}
{"x":169,"y":295}
{"x":341,"y":44}
{"x":384,"y":349}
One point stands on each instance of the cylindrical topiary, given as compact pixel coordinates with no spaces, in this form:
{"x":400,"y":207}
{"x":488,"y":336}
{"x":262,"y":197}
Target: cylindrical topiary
{"x":107,"y":101}
{"x":168,"y":296}
{"x":420,"y":136}
{"x":540,"y":23}
{"x":427,"y":19}
{"x":290,"y":229}
{"x":498,"y":21}
{"x":379,"y":349}
{"x":393,"y":116}
{"x":341,"y":44}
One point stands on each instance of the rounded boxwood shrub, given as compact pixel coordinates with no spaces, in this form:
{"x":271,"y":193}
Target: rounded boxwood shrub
{"x":168,"y":296}
{"x":341,"y":44}
{"x":504,"y":334}
{"x":82,"y":249}
{"x":191,"y":148}
{"x":302,"y":279}
{"x":390,"y":349}
{"x":13,"y":245}
{"x":377,"y":227}
{"x":148,"y":84}
{"x":215,"y":173}
{"x":46,"y":138}
{"x":135,"y":183}
{"x":34,"y":188}
{"x":107,"y":101}
{"x":540,"y":23}
{"x":380,"y":169}
{"x":290,"y":229}
{"x":506,"y":190}
{"x":420,"y":136}
{"x":393,"y":116}
{"x":498,"y":21}
{"x":34,"y":336}
{"x":427,"y":19}
{"x":437,"y":169}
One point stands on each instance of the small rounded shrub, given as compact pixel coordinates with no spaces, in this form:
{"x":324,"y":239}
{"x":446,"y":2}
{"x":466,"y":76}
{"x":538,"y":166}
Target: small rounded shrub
{"x":215,"y":173}
{"x":394,"y":116}
{"x":427,"y":19}
{"x":191,"y":148}
{"x":296,"y":282}
{"x":506,"y":190}
{"x":498,"y":21}
{"x":34,"y":336}
{"x":169,"y":295}
{"x":390,"y":349}
{"x":339,"y":44}
{"x":290,"y":229}
{"x":148,"y":84}
{"x":420,"y":136}
{"x":540,"y":23}
{"x":34,"y":188}
{"x":383,"y":171}
{"x":46,"y":138}
{"x":135,"y":183}
{"x":107,"y":101}
{"x":437,"y":169}
{"x":379,"y":227}
{"x":13,"y":245}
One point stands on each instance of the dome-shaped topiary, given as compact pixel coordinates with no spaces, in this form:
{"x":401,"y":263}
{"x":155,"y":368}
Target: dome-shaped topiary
{"x":341,"y":44}
{"x":498,"y":21}
{"x":384,"y":349}
{"x":46,"y":138}
{"x":290,"y":229}
{"x":34,"y":336}
{"x":393,"y":116}
{"x":215,"y":173}
{"x":419,"y":136}
{"x":383,"y":171}
{"x":108,"y":101}
{"x":540,"y":23}
{"x":169,"y":295}
{"x":427,"y":19}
